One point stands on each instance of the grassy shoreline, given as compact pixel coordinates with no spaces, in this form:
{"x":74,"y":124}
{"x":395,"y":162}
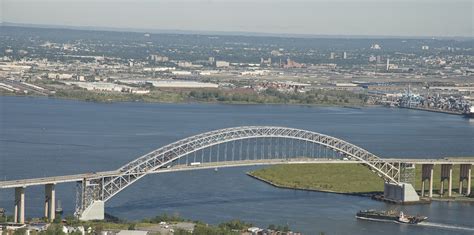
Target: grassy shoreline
{"x":362,"y":194}
{"x":339,"y":178}
{"x":350,"y":179}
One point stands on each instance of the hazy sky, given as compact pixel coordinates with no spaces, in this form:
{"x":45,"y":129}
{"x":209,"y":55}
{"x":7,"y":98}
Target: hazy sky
{"x":319,"y":17}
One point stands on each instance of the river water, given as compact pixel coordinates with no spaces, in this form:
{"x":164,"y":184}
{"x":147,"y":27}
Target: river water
{"x":47,"y":137}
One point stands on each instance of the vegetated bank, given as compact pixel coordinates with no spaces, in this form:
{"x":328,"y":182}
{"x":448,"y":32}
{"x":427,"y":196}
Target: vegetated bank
{"x":332,"y":177}
{"x":210,"y":95}
{"x":343,"y":178}
{"x":340,"y":98}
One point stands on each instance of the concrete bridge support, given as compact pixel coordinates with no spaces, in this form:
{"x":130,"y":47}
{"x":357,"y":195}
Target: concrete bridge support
{"x":427,"y":174}
{"x":19,"y":205}
{"x":400,"y":193}
{"x":446,"y":174}
{"x":49,"y":202}
{"x":465,"y":174}
{"x":94,"y":212}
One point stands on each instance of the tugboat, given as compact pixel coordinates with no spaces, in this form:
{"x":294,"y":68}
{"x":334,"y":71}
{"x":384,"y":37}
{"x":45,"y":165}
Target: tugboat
{"x":389,"y":216}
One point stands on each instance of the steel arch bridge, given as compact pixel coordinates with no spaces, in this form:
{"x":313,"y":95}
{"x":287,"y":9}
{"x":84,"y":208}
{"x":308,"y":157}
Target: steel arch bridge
{"x":103,"y":188}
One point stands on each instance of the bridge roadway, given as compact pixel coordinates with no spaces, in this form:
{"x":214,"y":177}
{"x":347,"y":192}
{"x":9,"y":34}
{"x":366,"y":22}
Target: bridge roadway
{"x":223,"y":164}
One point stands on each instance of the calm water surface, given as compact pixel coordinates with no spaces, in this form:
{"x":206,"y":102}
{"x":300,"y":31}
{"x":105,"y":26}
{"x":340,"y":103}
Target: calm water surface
{"x":47,"y":137}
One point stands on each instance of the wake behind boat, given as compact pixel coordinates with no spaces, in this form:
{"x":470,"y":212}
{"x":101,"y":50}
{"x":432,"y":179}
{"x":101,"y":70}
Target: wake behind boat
{"x":389,"y":216}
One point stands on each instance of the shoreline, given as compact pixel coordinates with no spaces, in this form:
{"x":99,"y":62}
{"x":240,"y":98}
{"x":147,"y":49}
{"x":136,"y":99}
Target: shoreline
{"x":434,"y":110}
{"x":349,"y":106}
{"x":365,"y":194}
{"x":316,"y":180}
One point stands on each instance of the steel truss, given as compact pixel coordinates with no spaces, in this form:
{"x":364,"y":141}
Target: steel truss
{"x":104,"y":188}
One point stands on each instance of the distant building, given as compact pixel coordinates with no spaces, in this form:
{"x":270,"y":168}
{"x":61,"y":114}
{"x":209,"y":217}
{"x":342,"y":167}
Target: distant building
{"x":159,"y":69}
{"x":375,"y":47}
{"x":266,"y":62}
{"x":379,"y":59}
{"x":13,"y":67}
{"x":344,"y":55}
{"x":207,"y":72}
{"x":185,"y":64}
{"x":255,"y":72}
{"x":292,"y":64}
{"x":212,"y":60}
{"x":159,"y":58}
{"x":182,"y":84}
{"x":178,"y":72}
{"x":110,"y":87}
{"x":60,"y":76}
{"x":22,"y":52}
{"x":221,"y":64}
{"x":372,"y":58}
{"x":425,"y":47}
{"x":276,"y":53}
{"x":332,"y":56}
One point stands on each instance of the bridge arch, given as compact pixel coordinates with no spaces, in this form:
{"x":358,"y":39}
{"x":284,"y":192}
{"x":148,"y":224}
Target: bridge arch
{"x":104,"y":188}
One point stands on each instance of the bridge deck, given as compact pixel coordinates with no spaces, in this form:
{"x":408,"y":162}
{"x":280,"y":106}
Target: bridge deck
{"x":175,"y":168}
{"x":53,"y":179}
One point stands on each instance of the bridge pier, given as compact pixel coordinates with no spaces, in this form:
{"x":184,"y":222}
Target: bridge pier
{"x":400,"y":192}
{"x":465,"y":174}
{"x":427,"y":174}
{"x":446,"y":174}
{"x":49,"y":202}
{"x":19,"y":205}
{"x":95,"y":211}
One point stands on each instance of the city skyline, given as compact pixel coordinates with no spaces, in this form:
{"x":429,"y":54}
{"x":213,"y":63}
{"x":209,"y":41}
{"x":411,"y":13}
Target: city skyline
{"x":342,"y":18}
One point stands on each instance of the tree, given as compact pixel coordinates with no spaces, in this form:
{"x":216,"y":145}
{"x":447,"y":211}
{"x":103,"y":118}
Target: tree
{"x":21,"y":231}
{"x":57,"y":219}
{"x":235,"y":224}
{"x":182,"y":232}
{"x":53,"y":229}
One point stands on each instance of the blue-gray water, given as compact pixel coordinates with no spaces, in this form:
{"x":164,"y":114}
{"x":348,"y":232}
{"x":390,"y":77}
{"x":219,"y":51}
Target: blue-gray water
{"x":46,"y":137}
